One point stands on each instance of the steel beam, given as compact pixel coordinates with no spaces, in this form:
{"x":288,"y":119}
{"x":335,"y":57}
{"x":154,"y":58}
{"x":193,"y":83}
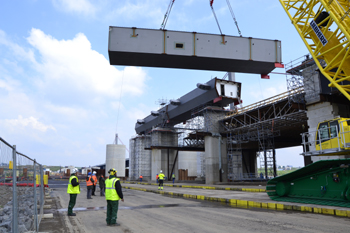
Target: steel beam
{"x":191,"y":50}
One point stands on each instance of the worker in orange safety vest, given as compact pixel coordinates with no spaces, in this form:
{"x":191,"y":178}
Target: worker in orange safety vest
{"x":157,"y":178}
{"x":89,"y":185}
{"x":95,"y":183}
{"x":141,"y":178}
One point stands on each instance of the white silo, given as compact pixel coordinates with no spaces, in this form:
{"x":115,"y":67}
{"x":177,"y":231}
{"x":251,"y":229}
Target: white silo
{"x":115,"y":158}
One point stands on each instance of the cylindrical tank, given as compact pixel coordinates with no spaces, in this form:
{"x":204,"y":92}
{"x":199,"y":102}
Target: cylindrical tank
{"x":115,"y":158}
{"x":188,"y":160}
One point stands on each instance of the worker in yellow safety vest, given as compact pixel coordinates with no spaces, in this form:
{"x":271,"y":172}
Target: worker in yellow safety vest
{"x":113,"y":195}
{"x":161,"y":179}
{"x":73,"y":190}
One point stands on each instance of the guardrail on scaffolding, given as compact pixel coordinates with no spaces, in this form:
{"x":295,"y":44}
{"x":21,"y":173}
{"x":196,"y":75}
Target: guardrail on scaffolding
{"x":267,"y":101}
{"x":22,"y":178}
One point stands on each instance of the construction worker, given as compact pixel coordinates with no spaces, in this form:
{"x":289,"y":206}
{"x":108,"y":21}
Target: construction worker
{"x":173,"y":176}
{"x":94,"y":184}
{"x":89,"y":185}
{"x":113,"y":195}
{"x":101,"y":182}
{"x":157,"y":178}
{"x":161,"y":179}
{"x":73,"y":190}
{"x":141,"y":178}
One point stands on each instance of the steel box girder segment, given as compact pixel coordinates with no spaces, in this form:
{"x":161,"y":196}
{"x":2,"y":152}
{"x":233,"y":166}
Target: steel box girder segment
{"x":175,"y":114}
{"x":190,"y":50}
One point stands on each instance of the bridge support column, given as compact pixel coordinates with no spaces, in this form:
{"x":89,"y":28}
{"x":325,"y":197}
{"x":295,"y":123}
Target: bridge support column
{"x":215,"y":147}
{"x":321,"y":107}
{"x":163,"y":159}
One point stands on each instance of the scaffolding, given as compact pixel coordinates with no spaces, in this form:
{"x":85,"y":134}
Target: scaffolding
{"x":140,"y":159}
{"x":261,"y":123}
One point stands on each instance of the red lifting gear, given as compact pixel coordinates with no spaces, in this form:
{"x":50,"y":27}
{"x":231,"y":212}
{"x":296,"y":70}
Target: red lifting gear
{"x":211,"y":2}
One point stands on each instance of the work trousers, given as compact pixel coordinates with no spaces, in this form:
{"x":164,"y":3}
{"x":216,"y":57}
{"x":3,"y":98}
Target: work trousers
{"x":161,"y":183}
{"x":102,"y":191}
{"x":89,"y":192}
{"x":72,"y":200}
{"x":112,"y":210}
{"x":93,"y":190}
{"x":173,"y":180}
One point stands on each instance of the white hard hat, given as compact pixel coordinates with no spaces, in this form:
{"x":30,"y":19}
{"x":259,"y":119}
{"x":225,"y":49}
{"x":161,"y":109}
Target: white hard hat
{"x":161,"y":171}
{"x":94,"y":172}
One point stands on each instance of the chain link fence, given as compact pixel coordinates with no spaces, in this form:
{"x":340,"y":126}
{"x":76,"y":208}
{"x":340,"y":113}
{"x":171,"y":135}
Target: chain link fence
{"x":21,"y":191}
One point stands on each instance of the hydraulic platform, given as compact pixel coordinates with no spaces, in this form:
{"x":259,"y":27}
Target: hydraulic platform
{"x":192,"y":50}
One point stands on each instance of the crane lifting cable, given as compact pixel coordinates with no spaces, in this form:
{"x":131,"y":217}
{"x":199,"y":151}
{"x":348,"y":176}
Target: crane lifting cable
{"x":233,"y":16}
{"x":166,"y":16}
{"x":212,"y":8}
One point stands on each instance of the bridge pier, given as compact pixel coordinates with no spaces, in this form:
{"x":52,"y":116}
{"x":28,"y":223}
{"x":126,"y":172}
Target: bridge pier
{"x":215,"y":147}
{"x":321,"y":105}
{"x":163,"y":157}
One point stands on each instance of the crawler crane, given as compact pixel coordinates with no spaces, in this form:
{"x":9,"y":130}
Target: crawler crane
{"x":324,"y":26}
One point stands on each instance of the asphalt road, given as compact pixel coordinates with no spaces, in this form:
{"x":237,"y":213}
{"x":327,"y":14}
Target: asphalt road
{"x":150,"y":212}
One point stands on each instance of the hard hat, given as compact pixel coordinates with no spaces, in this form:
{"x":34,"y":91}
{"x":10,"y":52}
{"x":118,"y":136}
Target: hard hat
{"x":74,"y":171}
{"x":161,"y":171}
{"x":112,"y":171}
{"x":94,"y":172}
{"x":89,"y":173}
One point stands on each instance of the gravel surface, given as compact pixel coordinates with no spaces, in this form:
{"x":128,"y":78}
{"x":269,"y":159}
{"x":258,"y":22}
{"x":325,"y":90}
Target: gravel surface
{"x":6,"y":195}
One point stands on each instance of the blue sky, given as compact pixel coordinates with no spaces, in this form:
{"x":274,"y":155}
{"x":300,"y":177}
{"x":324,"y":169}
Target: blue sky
{"x":60,"y":98}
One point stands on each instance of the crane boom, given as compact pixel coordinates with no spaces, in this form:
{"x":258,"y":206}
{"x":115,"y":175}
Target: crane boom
{"x":324,"y":26}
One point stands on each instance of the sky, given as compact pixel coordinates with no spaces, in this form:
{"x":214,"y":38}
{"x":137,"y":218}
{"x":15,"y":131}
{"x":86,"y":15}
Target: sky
{"x":60,"y":100}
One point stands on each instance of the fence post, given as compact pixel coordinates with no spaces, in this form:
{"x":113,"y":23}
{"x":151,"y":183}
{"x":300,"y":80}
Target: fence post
{"x":42,"y":189}
{"x":35,"y":201}
{"x":14,"y":192}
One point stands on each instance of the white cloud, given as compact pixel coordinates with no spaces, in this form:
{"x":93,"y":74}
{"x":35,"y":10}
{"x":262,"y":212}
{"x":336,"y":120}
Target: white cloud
{"x":153,"y":10}
{"x":16,"y":50}
{"x":32,"y":122}
{"x":73,"y":65}
{"x":76,"y":114}
{"x":75,"y":6}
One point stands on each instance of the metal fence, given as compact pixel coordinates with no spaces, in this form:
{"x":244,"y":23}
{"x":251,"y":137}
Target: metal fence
{"x":21,"y":191}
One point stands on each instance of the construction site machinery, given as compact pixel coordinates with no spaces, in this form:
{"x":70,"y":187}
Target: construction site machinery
{"x":324,"y":27}
{"x":324,"y":182}
{"x":332,"y":137}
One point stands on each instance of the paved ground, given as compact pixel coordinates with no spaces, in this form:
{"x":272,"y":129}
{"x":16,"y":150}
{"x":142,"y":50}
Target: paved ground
{"x":152,"y":212}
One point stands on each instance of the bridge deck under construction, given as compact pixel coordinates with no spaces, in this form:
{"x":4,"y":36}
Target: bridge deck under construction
{"x":282,"y":117}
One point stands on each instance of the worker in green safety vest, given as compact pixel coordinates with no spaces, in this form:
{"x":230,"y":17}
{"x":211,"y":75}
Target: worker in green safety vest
{"x":161,"y":179}
{"x":73,"y":190}
{"x":113,"y":195}
{"x":173,"y":177}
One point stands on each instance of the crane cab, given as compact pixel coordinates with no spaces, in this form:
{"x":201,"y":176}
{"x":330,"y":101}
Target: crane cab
{"x":333,"y":136}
